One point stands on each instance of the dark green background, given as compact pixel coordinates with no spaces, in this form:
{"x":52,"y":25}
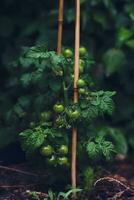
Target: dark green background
{"x":107,"y":30}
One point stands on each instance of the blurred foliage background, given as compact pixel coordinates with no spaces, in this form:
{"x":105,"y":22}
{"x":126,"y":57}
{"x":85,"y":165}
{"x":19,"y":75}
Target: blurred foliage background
{"x":107,"y":31}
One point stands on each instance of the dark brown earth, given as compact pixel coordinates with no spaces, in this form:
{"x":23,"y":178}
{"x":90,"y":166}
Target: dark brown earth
{"x":116,"y":183}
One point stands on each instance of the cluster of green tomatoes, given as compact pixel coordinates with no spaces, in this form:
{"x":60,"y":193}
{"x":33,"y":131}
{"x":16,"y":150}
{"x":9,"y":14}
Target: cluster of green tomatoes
{"x":63,"y":114}
{"x":68,"y":53}
{"x":55,"y":157}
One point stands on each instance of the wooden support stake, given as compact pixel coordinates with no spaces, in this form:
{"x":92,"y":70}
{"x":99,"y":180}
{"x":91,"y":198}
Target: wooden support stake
{"x":60,"y":26}
{"x":76,"y":76}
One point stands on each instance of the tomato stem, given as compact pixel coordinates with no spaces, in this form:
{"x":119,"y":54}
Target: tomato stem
{"x":65,"y":90}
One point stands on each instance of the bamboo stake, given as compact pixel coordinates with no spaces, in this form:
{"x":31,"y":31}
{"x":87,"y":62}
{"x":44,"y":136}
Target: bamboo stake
{"x":60,"y":26}
{"x":76,"y":76}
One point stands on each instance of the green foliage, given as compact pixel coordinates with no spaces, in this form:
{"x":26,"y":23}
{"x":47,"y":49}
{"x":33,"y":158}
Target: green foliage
{"x":99,"y":147}
{"x":116,"y":136}
{"x":35,"y":82}
{"x":113,"y":60}
{"x":32,"y":139}
{"x":47,"y":113}
{"x":88,"y":177}
{"x":65,"y":196}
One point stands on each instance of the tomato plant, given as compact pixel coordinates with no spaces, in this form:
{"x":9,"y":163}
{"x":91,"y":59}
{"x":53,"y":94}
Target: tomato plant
{"x":55,"y":113}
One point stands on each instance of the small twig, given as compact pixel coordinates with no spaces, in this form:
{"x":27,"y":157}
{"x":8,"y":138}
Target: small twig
{"x":18,"y":171}
{"x":15,"y":186}
{"x":117,"y":195}
{"x":110,"y":179}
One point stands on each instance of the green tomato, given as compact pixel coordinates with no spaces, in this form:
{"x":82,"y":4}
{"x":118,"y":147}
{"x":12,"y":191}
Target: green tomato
{"x":58,"y":108}
{"x":62,"y":161}
{"x":60,"y":121}
{"x":46,"y":115}
{"x":68,"y":53}
{"x":81,"y":69}
{"x":63,"y":149}
{"x":82,"y":51}
{"x":82,"y":91}
{"x":47,"y":150}
{"x":81,"y":83}
{"x":52,"y":160}
{"x":74,"y":114}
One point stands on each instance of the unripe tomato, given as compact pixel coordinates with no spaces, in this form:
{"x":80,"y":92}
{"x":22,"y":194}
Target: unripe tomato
{"x":68,"y":53}
{"x":46,"y":116}
{"x":52,"y":160}
{"x":82,"y":91}
{"x":58,"y":108}
{"x":47,"y":150}
{"x":81,"y":83}
{"x":62,"y":161}
{"x":73,"y":114}
{"x":82,"y":51}
{"x":81,"y":69}
{"x":63,"y":149}
{"x":59,"y":121}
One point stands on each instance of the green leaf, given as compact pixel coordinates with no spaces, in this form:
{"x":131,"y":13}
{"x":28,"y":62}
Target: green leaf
{"x":113,"y":60}
{"x":107,"y":149}
{"x":92,"y":150}
{"x":124,"y":34}
{"x":32,"y":139}
{"x":130,"y":43}
{"x":26,"y":79}
{"x":117,"y":137}
{"x":119,"y":141}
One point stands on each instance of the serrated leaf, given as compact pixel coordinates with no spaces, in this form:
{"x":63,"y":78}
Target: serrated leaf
{"x":92,"y":150}
{"x":32,"y":139}
{"x":124,"y":34}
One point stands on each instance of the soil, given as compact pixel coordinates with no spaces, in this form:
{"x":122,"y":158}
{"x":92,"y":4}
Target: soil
{"x":115,"y":183}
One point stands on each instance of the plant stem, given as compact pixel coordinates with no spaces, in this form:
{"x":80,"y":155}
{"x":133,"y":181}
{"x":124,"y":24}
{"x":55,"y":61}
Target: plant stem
{"x":76,"y":76}
{"x":65,"y":90}
{"x":60,"y":26}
